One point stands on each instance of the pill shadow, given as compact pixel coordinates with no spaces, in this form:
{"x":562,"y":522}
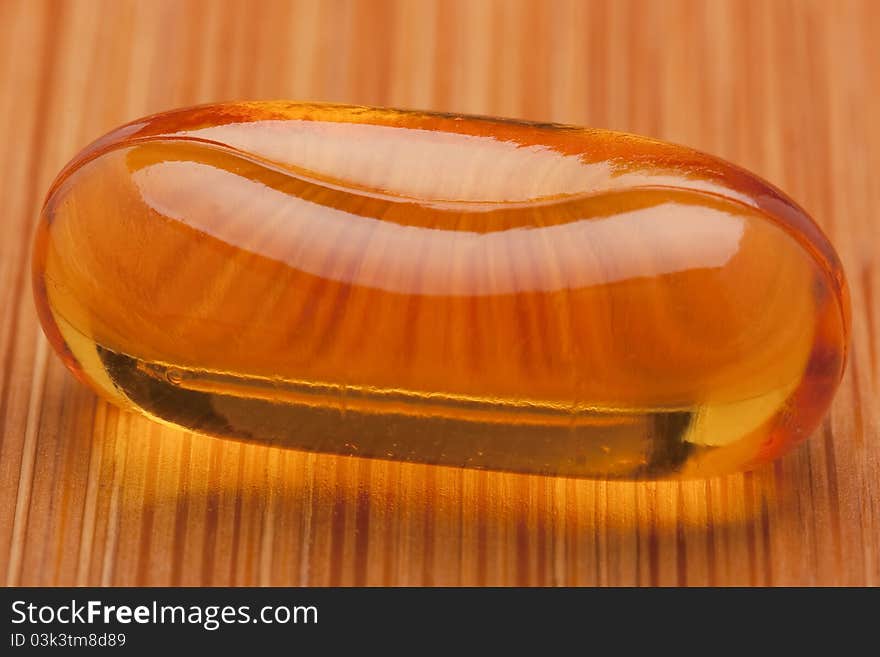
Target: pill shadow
{"x":117,"y":499}
{"x":196,"y":510}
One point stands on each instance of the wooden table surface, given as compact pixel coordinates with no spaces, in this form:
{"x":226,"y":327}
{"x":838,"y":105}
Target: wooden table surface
{"x":92,"y":495}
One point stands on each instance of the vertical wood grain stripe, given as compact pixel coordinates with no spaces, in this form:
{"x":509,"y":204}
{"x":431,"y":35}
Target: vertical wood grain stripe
{"x":92,"y":495}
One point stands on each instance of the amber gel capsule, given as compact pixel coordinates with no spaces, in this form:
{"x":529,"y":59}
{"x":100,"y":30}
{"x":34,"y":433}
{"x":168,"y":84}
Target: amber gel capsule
{"x":442,"y":289}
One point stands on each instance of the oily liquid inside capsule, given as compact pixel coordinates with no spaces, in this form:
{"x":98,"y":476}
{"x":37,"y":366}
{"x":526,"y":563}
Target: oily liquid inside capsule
{"x":445,"y":290}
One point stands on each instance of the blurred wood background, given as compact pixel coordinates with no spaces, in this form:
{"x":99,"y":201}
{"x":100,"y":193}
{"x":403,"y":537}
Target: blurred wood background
{"x":90,"y":495}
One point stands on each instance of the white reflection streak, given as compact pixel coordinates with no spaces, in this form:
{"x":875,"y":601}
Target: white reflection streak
{"x":399,"y":160}
{"x":434,"y":261}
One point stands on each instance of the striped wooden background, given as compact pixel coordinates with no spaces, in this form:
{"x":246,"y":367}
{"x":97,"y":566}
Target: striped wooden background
{"x":89,"y":495}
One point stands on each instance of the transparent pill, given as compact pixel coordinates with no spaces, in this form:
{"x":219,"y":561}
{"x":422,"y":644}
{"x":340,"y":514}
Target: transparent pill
{"x":442,"y":289}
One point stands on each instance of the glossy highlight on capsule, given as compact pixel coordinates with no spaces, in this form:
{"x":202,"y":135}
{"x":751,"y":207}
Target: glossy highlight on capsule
{"x":444,"y":289}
